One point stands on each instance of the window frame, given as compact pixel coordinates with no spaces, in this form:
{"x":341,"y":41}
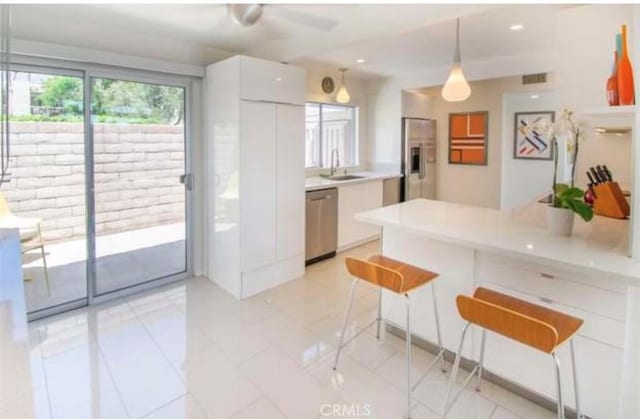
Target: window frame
{"x":356,"y":111}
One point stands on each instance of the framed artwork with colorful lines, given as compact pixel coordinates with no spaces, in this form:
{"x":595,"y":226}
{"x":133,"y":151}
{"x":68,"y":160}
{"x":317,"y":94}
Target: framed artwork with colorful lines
{"x":530,"y":143}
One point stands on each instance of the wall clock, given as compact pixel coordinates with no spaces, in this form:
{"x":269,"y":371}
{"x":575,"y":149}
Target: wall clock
{"x":328,"y":85}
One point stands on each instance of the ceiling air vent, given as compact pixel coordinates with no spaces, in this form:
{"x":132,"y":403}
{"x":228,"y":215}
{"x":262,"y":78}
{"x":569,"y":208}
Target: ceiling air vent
{"x":534,"y":78}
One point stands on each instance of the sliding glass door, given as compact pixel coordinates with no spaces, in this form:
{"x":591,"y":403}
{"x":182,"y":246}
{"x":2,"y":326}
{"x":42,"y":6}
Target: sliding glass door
{"x":44,"y":195}
{"x":100,"y":195}
{"x":139,"y":182}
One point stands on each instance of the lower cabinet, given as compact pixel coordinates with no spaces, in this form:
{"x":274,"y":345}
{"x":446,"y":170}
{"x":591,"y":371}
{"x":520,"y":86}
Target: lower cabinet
{"x":353,"y":199}
{"x":598,"y":344}
{"x":454,"y":264}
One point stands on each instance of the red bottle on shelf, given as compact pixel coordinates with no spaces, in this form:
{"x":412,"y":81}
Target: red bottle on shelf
{"x":612,"y":83}
{"x":626,"y":92}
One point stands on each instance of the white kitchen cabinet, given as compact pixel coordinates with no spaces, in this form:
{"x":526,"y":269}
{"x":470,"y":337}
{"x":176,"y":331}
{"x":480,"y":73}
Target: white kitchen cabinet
{"x":256,"y":179}
{"x":454,"y":264}
{"x":290,"y":177}
{"x":258,"y":129}
{"x":353,"y":199}
{"x":598,"y":343}
{"x":262,"y":80}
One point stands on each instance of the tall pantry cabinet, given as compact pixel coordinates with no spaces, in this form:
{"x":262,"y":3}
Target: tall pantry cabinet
{"x":256,"y":209}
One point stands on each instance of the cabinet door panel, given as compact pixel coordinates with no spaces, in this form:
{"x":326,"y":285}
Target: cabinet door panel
{"x":257,"y":184}
{"x":353,"y":199}
{"x":290,"y":178}
{"x":273,"y":82}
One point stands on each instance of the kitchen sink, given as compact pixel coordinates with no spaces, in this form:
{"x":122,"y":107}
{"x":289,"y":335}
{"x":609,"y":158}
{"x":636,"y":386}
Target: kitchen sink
{"x":346,"y":177}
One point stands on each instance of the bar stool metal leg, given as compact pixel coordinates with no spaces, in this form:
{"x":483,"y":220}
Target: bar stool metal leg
{"x":443,"y":366}
{"x":454,"y":373}
{"x":481,"y":361}
{"x":379,"y":318}
{"x":408,"y":343}
{"x":575,"y":379}
{"x":558,"y":387}
{"x":441,"y":350}
{"x":346,"y":320}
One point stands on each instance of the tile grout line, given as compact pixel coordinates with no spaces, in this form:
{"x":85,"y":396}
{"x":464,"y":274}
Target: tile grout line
{"x":146,"y":415}
{"x":159,"y":348}
{"x":44,"y":373}
{"x":253,"y":383}
{"x":93,"y":335}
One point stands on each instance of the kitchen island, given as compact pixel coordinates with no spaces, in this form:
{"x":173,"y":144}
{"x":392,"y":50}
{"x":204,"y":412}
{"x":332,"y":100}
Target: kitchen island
{"x":588,"y":275}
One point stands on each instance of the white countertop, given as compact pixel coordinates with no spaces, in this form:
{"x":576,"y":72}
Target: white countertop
{"x":317,"y":182}
{"x":598,"y":247}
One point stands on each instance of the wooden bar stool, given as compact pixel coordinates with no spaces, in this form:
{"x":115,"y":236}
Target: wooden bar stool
{"x":530,"y":324}
{"x":400,"y":278}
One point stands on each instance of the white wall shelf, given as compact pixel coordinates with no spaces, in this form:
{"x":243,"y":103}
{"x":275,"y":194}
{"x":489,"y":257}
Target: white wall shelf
{"x":611,"y":111}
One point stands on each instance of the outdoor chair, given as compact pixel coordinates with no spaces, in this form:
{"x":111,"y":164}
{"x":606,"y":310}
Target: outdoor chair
{"x":30,"y":229}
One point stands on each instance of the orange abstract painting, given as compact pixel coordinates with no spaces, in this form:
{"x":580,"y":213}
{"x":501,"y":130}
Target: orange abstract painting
{"x":468,"y":138}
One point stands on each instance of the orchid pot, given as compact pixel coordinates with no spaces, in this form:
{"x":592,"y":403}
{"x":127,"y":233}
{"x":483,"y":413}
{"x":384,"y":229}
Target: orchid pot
{"x":560,"y":221}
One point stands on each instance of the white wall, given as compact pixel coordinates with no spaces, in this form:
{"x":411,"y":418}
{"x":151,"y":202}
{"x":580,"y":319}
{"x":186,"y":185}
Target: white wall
{"x":469,"y":184}
{"x":385,"y":98}
{"x":523,"y":180}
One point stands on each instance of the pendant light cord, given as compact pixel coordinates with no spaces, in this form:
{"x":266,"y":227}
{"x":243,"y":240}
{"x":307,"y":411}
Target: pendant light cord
{"x":456,"y":55}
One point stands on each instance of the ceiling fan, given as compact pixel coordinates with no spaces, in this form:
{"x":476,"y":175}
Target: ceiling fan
{"x":248,"y":14}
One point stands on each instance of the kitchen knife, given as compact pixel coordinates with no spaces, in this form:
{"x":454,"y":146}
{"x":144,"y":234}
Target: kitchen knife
{"x":607,"y":172}
{"x":601,"y":173}
{"x":595,"y":175}
{"x":592,"y":183}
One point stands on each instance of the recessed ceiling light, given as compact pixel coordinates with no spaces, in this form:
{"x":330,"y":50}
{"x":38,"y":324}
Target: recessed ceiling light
{"x":535,"y":96}
{"x":361,"y":61}
{"x":517,"y":27}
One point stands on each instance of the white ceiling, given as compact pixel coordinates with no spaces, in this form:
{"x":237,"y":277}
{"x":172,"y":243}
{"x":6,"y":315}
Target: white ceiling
{"x":392,"y":38}
{"x":483,"y":36}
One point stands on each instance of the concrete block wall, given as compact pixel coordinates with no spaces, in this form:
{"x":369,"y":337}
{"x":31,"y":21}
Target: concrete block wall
{"x":137,"y":170}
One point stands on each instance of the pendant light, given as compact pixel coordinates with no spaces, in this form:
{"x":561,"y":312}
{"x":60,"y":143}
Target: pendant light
{"x":343,"y":94}
{"x":456,"y":89}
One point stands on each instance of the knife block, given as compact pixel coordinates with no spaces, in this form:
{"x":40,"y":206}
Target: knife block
{"x":610,"y":201}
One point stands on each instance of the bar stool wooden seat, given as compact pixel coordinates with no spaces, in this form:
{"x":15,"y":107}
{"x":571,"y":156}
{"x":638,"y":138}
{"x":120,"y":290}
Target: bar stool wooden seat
{"x":399,"y":278}
{"x":535,"y":326}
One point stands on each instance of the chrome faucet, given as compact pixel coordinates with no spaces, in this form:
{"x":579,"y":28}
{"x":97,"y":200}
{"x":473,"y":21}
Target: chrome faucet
{"x":333,"y":168}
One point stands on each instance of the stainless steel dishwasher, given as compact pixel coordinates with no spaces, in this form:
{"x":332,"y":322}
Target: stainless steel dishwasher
{"x":322,"y":225}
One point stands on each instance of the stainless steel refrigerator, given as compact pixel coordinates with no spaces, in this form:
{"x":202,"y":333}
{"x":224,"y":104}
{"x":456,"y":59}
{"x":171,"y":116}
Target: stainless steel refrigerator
{"x":418,"y":159}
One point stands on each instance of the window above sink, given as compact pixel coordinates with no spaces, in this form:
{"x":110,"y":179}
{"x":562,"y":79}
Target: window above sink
{"x":330,"y":127}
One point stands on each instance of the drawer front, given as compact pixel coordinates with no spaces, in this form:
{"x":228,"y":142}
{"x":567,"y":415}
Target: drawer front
{"x":602,"y":329}
{"x":551,"y":285}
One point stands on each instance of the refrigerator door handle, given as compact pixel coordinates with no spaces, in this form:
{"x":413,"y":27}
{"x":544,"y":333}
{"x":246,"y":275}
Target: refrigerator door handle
{"x":422,"y":162}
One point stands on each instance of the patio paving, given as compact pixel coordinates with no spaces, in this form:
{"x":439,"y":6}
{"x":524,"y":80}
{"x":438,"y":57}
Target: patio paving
{"x":123,"y":259}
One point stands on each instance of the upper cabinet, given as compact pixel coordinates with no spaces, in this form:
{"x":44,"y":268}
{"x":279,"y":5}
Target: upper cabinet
{"x":262,"y":80}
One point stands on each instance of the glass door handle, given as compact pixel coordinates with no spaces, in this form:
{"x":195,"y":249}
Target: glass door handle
{"x":422,"y":162}
{"x":187,"y":181}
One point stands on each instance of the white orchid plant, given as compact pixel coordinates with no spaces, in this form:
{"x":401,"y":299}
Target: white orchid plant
{"x":568,"y":133}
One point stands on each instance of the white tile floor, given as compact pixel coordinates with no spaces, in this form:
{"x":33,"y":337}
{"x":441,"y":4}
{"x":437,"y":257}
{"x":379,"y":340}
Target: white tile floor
{"x":192,"y":351}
